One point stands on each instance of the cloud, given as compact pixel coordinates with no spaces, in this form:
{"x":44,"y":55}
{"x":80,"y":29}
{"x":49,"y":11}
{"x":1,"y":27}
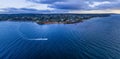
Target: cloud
{"x":56,"y":6}
{"x":46,"y":1}
{"x":68,"y":5}
{"x":23,"y":10}
{"x":80,"y":4}
{"x":94,"y":4}
{"x":28,"y":10}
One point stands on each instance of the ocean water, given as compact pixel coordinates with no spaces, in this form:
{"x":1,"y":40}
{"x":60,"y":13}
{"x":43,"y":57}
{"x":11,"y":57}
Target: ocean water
{"x":97,"y":38}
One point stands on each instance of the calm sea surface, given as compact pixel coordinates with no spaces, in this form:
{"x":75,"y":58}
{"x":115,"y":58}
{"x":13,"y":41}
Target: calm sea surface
{"x":97,"y":38}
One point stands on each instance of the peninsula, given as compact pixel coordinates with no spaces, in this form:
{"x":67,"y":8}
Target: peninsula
{"x":50,"y":18}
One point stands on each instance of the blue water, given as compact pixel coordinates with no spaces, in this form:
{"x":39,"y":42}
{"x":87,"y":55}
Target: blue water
{"x":97,"y":38}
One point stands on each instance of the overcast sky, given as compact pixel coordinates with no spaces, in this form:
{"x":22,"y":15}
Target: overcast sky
{"x":59,"y":6}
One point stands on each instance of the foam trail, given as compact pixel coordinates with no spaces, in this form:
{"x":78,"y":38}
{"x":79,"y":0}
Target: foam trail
{"x":39,"y":39}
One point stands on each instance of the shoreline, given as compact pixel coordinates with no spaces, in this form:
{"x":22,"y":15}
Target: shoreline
{"x":51,"y":18}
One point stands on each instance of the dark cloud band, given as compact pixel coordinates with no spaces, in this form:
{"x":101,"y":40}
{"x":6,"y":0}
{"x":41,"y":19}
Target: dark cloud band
{"x":80,"y":4}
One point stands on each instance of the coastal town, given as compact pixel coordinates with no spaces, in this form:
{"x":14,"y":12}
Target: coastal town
{"x":50,"y":18}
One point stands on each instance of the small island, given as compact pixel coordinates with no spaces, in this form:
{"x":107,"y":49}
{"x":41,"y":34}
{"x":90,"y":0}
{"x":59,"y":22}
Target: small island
{"x":50,"y":18}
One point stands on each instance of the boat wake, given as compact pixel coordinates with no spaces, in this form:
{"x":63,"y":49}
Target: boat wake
{"x":39,"y":39}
